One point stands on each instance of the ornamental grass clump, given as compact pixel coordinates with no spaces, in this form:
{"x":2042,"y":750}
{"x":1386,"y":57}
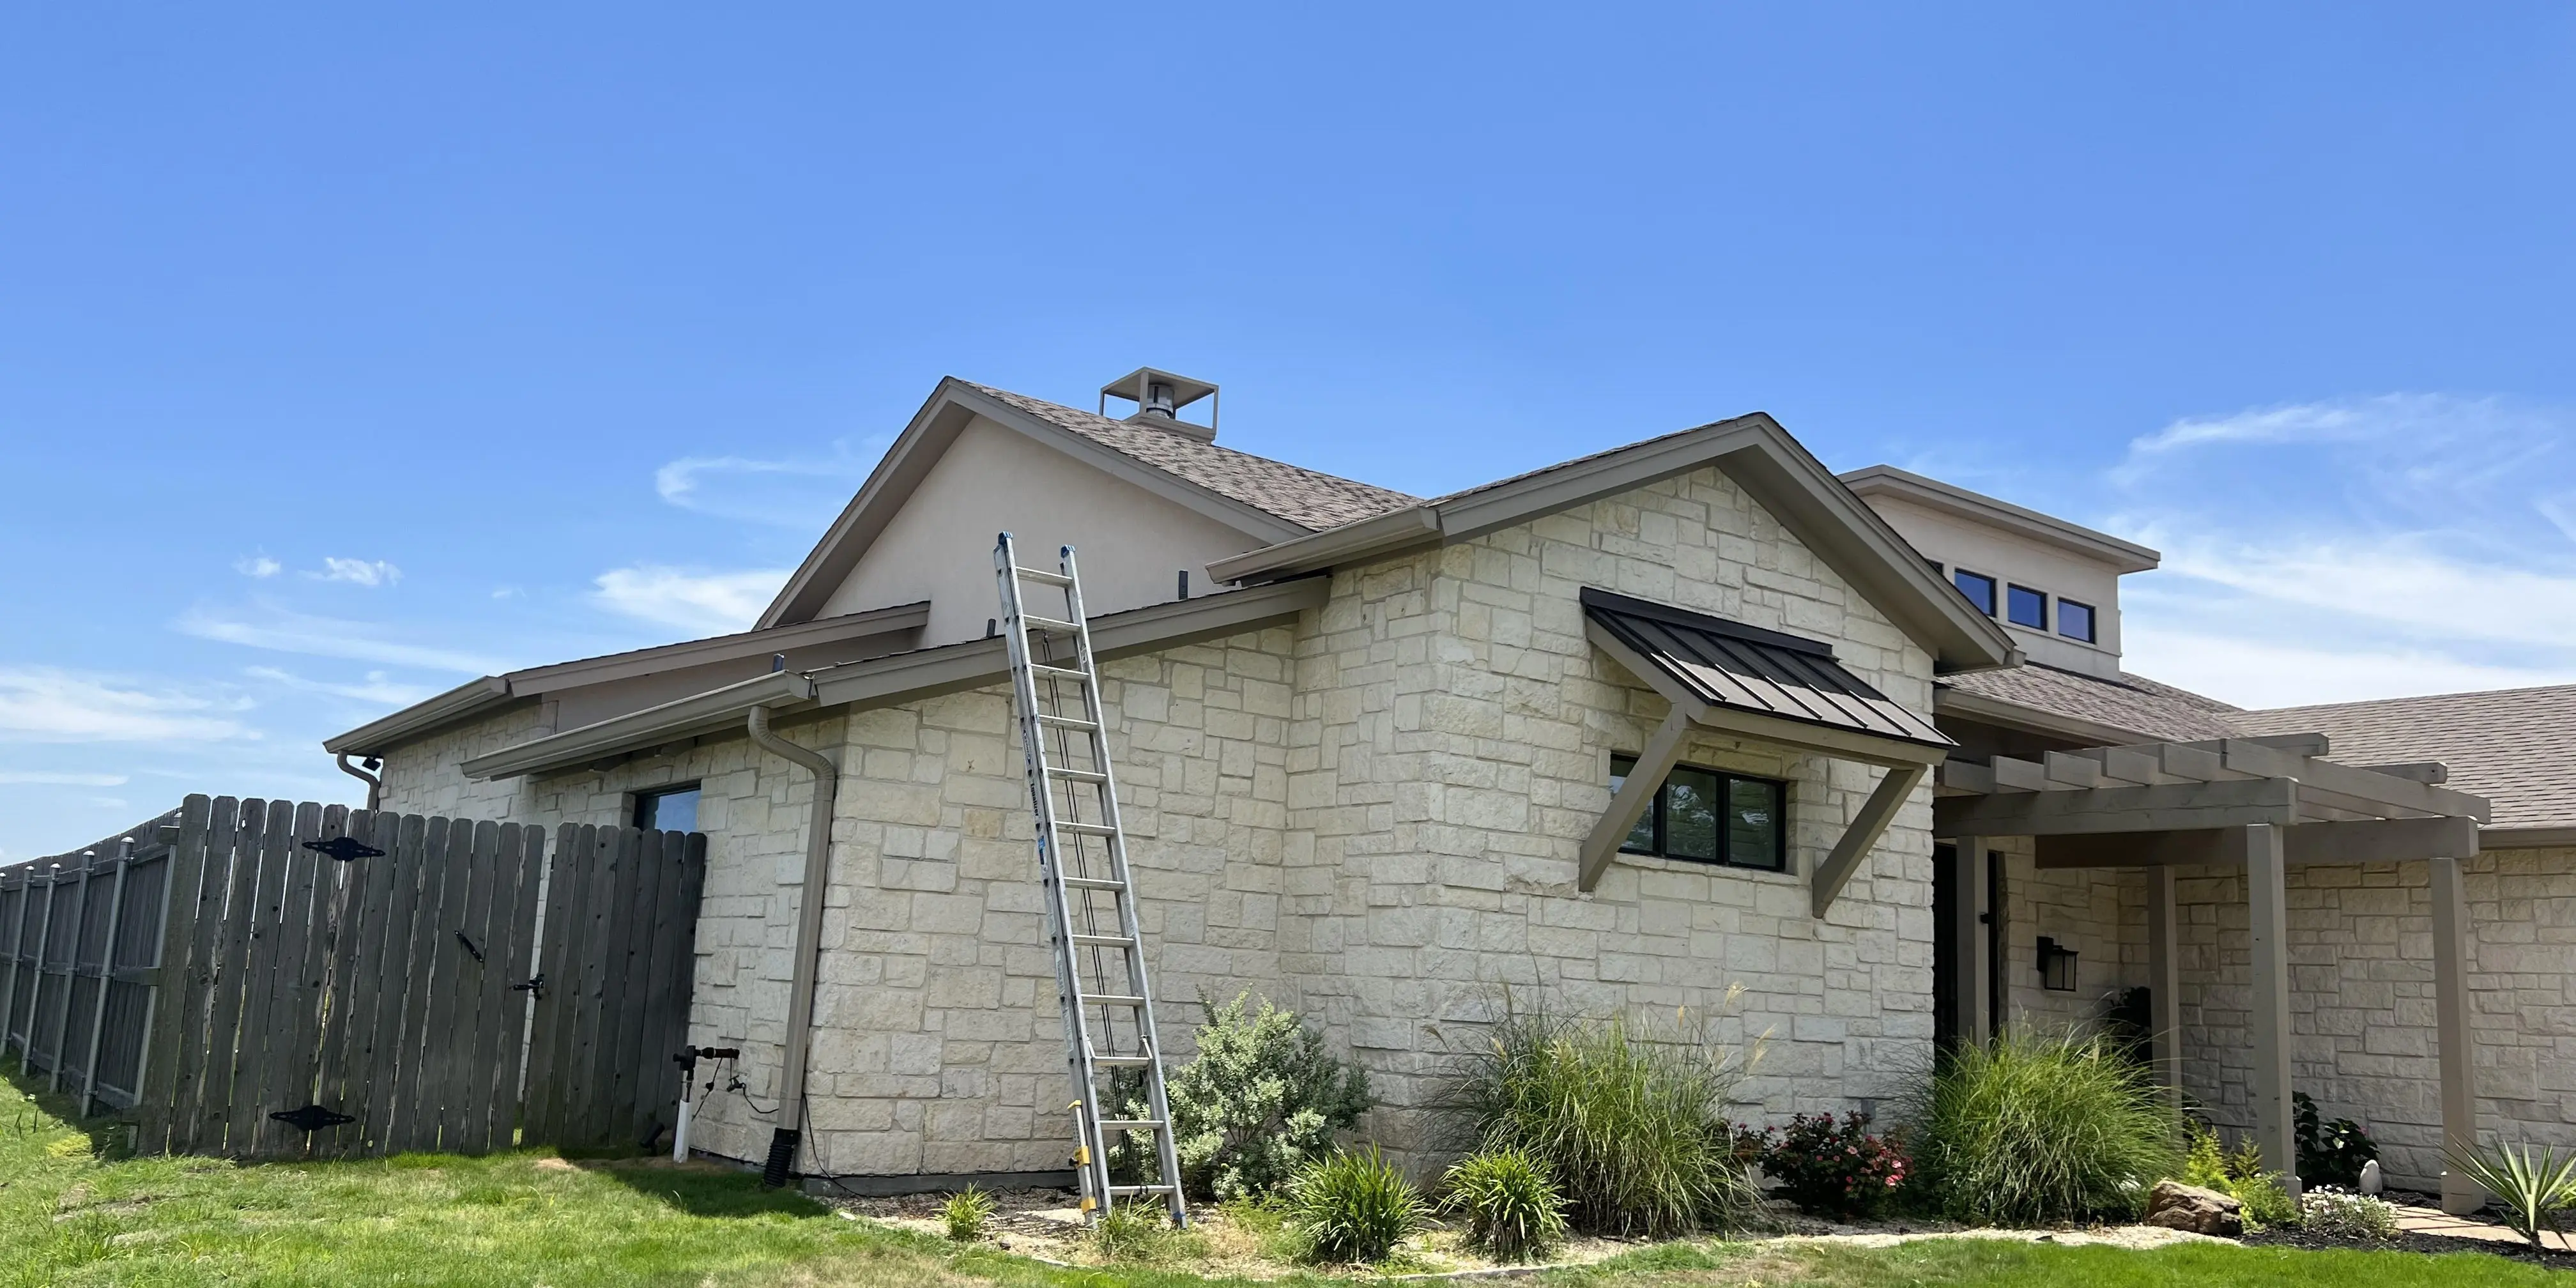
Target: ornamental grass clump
{"x":1354,"y":1207}
{"x":1512,"y":1207}
{"x":1630,"y":1121}
{"x":2036,"y":1128}
{"x":966,"y":1213}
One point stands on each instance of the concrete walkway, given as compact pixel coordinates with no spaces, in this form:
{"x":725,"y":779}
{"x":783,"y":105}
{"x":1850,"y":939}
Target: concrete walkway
{"x":2425,"y":1220}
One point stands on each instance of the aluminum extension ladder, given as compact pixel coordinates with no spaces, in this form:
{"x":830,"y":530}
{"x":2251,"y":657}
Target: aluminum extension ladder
{"x":1090,"y":895}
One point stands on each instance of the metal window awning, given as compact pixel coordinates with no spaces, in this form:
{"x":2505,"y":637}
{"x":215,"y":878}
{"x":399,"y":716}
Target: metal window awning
{"x":1748,"y":682}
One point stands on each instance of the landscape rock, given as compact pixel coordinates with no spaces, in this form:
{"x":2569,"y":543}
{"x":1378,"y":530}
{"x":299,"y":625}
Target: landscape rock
{"x":2176,"y":1206}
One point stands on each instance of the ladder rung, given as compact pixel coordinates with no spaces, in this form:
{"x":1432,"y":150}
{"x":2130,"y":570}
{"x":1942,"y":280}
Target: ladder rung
{"x":1094,"y":883}
{"x":1077,"y":775}
{"x":1069,"y":722}
{"x":1085,"y":829}
{"x":1033,"y":622}
{"x":1041,"y":668}
{"x":1123,"y":1061}
{"x":1137,"y":1191}
{"x":1127,"y":1124}
{"x":1111,"y":999}
{"x":1041,"y":577}
{"x":1103,"y":941}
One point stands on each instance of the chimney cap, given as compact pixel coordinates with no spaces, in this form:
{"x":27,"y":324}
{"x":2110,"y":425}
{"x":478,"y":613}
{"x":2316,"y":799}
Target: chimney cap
{"x":1138,"y":387}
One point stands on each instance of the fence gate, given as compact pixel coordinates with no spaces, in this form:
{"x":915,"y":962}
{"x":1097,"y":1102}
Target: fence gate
{"x":267,"y":979}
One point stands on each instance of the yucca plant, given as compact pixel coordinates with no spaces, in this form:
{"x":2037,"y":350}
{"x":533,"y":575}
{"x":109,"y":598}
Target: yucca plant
{"x":1354,"y":1207}
{"x":2531,"y":1191}
{"x":2037,"y":1127}
{"x":1630,"y":1121}
{"x":1513,"y":1209}
{"x":967,"y":1212}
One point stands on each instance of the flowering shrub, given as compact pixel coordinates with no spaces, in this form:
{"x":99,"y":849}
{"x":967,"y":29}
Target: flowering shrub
{"x":2330,"y":1211}
{"x":1834,"y":1168}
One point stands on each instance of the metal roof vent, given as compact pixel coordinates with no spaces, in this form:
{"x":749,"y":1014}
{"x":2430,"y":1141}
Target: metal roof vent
{"x":1159,"y":397}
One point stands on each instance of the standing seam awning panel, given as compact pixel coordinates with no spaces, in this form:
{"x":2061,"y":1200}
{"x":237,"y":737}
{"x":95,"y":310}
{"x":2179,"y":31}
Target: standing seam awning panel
{"x":1747,"y":668}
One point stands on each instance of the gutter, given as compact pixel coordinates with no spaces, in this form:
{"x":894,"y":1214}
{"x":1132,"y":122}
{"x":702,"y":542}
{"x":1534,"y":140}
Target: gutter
{"x":809,"y":941}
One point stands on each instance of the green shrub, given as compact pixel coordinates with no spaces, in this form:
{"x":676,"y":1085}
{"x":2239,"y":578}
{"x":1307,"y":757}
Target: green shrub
{"x":2239,"y":1174}
{"x":1513,"y":1209}
{"x":967,"y":1212}
{"x":2034,"y":1128}
{"x":1260,"y":1100}
{"x":2344,"y":1214}
{"x":1629,"y":1122}
{"x":1353,"y":1207}
{"x":2532,"y":1192}
{"x":2331,"y":1151}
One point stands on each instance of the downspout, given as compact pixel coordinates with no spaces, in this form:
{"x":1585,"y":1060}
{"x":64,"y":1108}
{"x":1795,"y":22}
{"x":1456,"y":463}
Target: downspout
{"x":375,"y":783}
{"x":809,"y":941}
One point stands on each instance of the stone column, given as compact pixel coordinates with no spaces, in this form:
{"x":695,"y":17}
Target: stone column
{"x":2164,"y":979}
{"x":2460,"y":1195}
{"x":2266,"y":897}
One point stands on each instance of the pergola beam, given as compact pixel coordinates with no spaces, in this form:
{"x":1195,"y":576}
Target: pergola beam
{"x":2393,"y":840}
{"x":2169,"y":807}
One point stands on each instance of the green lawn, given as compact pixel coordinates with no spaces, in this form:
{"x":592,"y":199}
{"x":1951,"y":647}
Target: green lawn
{"x":69,"y":1218}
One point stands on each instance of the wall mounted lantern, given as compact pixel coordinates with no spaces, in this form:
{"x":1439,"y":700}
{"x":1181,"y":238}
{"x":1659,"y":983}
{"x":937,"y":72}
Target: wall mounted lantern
{"x":2056,"y":966}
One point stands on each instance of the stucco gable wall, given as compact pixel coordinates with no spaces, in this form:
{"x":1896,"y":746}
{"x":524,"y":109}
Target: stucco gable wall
{"x":939,"y":545}
{"x":1451,"y":749}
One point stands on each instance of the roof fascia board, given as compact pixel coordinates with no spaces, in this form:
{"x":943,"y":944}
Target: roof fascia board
{"x":1759,"y":456}
{"x":1171,"y":487}
{"x":2526,"y":838}
{"x":957,"y":668}
{"x":470,"y":698}
{"x":621,"y":666}
{"x":653,"y":726}
{"x":1396,"y":531}
{"x":903,"y":677}
{"x":1933,"y":494}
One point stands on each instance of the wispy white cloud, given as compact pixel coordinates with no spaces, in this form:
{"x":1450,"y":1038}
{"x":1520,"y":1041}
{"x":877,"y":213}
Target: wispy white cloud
{"x":47,"y":704}
{"x":2354,"y":548}
{"x":375,"y":688}
{"x":708,"y":603}
{"x":357,"y":572}
{"x":256,"y":566}
{"x":49,"y":778}
{"x":795,"y":492}
{"x":285,"y":631}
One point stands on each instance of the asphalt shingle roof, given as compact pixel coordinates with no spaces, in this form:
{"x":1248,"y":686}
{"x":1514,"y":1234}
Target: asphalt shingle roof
{"x":2159,"y":712}
{"x":1304,"y":497}
{"x":2516,"y":747}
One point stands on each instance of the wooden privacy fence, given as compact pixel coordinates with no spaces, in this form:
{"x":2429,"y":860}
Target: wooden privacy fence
{"x":267,"y":979}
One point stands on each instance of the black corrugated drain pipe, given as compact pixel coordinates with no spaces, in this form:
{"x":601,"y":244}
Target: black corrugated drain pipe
{"x":809,"y":942}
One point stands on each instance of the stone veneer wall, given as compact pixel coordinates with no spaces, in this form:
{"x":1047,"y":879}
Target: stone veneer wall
{"x":1373,"y":816}
{"x":2101,"y":913}
{"x":2361,"y":991}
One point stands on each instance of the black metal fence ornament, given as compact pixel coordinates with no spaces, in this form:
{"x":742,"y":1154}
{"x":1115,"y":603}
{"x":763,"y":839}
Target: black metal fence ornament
{"x":469,"y":945}
{"x":345,"y":848}
{"x":311,"y":1118}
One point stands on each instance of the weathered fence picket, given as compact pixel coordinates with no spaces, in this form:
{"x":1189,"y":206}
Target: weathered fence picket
{"x":215,"y":971}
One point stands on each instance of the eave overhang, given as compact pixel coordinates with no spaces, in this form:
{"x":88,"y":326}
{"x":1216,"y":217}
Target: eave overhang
{"x":472,"y":698}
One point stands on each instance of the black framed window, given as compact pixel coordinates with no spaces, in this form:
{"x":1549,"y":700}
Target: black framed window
{"x":1978,"y":587}
{"x":667,"y":809}
{"x":1711,"y":816}
{"x":2026,"y":607}
{"x":2075,"y":621}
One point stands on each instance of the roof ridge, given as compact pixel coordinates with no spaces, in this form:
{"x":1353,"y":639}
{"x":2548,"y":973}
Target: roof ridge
{"x":2358,"y":703}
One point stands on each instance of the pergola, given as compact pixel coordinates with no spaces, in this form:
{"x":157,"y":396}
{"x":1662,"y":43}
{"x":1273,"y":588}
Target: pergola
{"x":2254,"y":804}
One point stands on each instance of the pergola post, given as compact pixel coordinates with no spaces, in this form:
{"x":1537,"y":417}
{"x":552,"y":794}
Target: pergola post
{"x":2460,"y":1195}
{"x":1968,"y":930}
{"x":2164,"y":980}
{"x":2266,"y":899}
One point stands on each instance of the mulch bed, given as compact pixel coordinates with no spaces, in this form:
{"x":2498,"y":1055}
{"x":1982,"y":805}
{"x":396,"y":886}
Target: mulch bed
{"x":2412,"y":1241}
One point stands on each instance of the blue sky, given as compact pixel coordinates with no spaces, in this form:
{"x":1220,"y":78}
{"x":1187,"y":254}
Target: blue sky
{"x":346,"y":356}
